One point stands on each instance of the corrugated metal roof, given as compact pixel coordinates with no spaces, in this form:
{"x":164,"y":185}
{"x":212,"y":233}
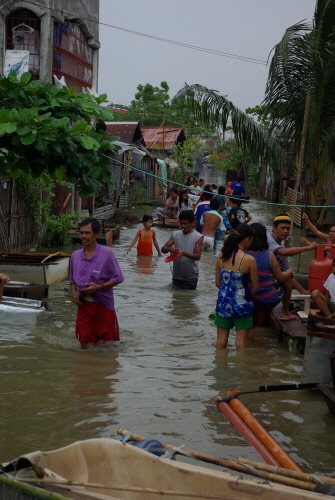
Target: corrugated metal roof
{"x":162,"y":137}
{"x":127,"y":131}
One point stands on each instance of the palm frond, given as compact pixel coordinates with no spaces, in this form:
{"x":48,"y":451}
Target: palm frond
{"x":214,"y":110}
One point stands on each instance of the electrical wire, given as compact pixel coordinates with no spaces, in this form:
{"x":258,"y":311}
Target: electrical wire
{"x":210,"y":192}
{"x":160,"y":39}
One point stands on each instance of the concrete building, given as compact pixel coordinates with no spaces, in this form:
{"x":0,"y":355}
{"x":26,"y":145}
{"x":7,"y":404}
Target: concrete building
{"x":51,"y":37}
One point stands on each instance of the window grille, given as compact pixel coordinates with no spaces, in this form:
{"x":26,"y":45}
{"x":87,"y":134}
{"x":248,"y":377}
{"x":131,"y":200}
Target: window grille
{"x":23,"y":29}
{"x":72,"y":56}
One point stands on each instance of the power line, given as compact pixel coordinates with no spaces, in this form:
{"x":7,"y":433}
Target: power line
{"x":165,"y":40}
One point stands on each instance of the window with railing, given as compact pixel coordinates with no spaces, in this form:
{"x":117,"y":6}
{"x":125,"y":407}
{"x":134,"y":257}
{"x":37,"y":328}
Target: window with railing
{"x":72,"y":56}
{"x":23,"y":29}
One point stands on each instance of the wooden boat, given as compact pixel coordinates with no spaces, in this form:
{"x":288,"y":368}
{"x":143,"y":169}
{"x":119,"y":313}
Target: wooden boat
{"x":171,"y":223}
{"x":109,"y":469}
{"x":26,"y":290}
{"x":44,"y":268}
{"x":328,"y":392}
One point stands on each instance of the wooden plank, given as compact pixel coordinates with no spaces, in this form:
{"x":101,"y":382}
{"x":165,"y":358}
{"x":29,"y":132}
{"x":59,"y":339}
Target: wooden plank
{"x":321,"y":335}
{"x":293,"y":329}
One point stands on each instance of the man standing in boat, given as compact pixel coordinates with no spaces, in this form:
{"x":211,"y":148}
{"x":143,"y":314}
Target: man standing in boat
{"x":185,"y":247}
{"x":94,"y":272}
{"x":276,"y":240}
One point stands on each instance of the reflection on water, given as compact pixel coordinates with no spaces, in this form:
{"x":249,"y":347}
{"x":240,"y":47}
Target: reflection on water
{"x":184,"y":305}
{"x":161,"y":379}
{"x":145,"y":265}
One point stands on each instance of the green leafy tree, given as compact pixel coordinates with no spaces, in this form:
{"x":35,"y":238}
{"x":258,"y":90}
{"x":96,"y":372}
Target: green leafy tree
{"x":152,"y":106}
{"x":185,"y":155}
{"x":261,"y":114}
{"x":46,"y":133}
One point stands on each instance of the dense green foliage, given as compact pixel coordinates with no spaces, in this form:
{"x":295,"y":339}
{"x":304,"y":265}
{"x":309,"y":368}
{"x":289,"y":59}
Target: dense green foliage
{"x":152,"y":106}
{"x":45,"y":132}
{"x":185,"y":155}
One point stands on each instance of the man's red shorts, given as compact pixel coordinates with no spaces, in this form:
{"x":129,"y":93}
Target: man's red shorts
{"x":95,"y":322}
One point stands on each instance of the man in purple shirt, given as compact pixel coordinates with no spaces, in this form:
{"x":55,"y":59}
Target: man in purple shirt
{"x":94,"y":271}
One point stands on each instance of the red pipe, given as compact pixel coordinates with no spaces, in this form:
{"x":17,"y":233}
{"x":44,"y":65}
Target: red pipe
{"x":244,"y":430}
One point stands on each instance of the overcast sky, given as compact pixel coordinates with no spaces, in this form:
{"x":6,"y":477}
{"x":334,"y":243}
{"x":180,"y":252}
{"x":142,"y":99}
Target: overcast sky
{"x":248,"y":28}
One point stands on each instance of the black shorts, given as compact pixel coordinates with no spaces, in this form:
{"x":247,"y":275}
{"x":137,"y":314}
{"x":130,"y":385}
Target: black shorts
{"x":188,"y":284}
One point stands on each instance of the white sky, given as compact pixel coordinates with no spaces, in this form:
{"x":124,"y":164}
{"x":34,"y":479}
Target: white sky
{"x":247,"y":28}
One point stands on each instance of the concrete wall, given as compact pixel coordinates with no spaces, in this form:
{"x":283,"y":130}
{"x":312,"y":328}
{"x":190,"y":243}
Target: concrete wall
{"x":85,"y":12}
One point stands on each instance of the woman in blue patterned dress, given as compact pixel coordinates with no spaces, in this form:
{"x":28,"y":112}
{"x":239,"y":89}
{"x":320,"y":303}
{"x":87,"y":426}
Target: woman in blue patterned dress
{"x":234,"y":306}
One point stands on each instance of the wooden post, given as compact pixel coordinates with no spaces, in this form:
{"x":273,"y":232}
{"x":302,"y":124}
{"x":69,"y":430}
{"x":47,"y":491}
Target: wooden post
{"x":156,"y":183}
{"x":123,"y":177}
{"x":300,"y":155}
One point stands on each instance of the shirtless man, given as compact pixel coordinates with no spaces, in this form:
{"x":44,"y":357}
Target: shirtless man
{"x":210,"y":222}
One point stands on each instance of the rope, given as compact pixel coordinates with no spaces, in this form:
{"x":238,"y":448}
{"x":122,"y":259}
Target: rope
{"x":210,"y":192}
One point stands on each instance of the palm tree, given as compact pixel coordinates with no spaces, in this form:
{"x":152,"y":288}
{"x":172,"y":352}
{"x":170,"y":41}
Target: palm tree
{"x":214,"y":111}
{"x":301,"y":83}
{"x":303,"y":64}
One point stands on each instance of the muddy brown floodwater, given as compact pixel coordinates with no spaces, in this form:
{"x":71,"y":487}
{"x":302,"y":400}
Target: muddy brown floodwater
{"x":160,"y":380}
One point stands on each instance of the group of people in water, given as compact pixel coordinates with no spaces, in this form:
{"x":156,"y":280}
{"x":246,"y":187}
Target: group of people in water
{"x":252,"y":270}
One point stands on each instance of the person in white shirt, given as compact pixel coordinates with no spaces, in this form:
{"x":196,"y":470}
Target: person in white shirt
{"x":326,"y":302}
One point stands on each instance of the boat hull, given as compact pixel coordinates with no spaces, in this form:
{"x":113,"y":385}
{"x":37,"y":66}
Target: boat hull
{"x":328,"y":392}
{"x":47,"y":273}
{"x":132,"y":471}
{"x":171,"y":223}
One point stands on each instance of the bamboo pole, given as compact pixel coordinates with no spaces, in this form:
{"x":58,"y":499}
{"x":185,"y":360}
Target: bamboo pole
{"x":65,"y":203}
{"x":288,"y":481}
{"x":222,"y":462}
{"x":287,"y":472}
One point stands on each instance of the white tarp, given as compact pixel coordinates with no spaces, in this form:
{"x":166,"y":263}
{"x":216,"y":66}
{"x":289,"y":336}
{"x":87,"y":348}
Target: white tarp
{"x":19,"y":311}
{"x":16,"y":60}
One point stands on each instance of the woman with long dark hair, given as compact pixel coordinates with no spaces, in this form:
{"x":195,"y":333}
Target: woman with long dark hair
{"x":270,"y":292}
{"x":190,"y":181}
{"x":183,"y":202}
{"x":234,"y":305}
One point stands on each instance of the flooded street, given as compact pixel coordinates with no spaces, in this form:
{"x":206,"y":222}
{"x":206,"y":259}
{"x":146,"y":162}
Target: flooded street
{"x":160,"y":380}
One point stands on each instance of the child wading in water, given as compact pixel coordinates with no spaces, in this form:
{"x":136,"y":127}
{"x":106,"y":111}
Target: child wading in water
{"x":145,"y":237}
{"x":234,"y":306}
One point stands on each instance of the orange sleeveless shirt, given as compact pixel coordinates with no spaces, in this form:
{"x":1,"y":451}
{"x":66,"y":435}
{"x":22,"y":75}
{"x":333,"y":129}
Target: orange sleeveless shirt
{"x":144,"y":246}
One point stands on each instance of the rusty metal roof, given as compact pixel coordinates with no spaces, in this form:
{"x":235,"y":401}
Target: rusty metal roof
{"x":128,"y":132}
{"x":162,"y":137}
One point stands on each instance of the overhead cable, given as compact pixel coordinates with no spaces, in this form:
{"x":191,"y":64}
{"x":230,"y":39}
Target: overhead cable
{"x":160,"y":39}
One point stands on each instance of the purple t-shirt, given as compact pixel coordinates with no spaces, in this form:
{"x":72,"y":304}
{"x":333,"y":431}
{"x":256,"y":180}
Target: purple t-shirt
{"x":101,"y":267}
